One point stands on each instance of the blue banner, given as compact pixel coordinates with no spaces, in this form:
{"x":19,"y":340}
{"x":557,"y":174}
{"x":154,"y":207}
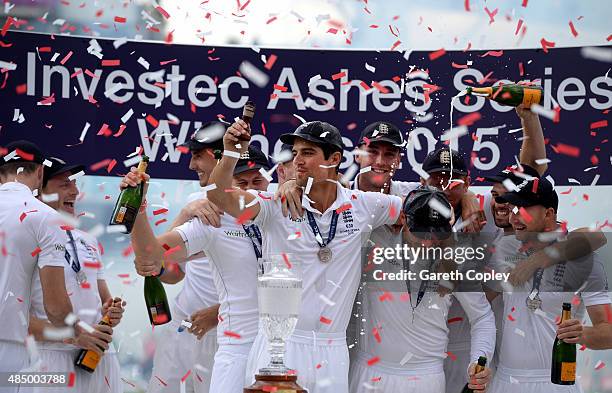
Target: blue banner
{"x":96,"y":101}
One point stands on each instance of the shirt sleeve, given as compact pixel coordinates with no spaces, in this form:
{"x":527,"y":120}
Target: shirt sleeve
{"x":196,"y":235}
{"x":50,"y":237}
{"x":266,"y":207}
{"x":596,"y":289}
{"x":383,"y":209}
{"x":482,"y":324}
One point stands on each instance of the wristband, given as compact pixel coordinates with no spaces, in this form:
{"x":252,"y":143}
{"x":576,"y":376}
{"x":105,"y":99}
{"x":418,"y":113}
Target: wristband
{"x":233,"y":154}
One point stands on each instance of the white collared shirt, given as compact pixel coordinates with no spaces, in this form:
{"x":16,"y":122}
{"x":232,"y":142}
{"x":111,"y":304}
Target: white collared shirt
{"x":328,"y":288}
{"x":30,"y":237}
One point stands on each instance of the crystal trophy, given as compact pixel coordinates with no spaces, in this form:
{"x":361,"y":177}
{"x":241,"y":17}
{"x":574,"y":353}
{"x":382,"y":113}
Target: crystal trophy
{"x":279,"y":291}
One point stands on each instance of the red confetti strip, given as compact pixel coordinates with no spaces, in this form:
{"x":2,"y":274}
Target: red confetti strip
{"x":521,"y":69}
{"x":185,"y":376}
{"x":7,"y":24}
{"x":481,"y":200}
{"x":93,"y":265}
{"x":437,"y":54}
{"x":525,"y":214}
{"x":161,"y":381}
{"x":518,"y":26}
{"x":159,"y":222}
{"x":376,"y":335}
{"x":534,"y":186}
{"x":364,"y":85}
{"x":36,"y":251}
{"x":546,"y":44}
{"x":373,"y":361}
{"x":270,"y":62}
{"x":71,"y":379}
{"x":160,"y":211}
{"x":451,"y":355}
{"x":171,"y":250}
{"x":272,"y":19}
{"x":599,"y":124}
{"x":229,"y":333}
{"x":163,"y":12}
{"x":600,"y":365}
{"x":338,"y":75}
{"x":380,"y":87}
{"x":568,"y":150}
{"x":467,"y":5}
{"x":152,"y":121}
{"x":455,"y":65}
{"x":525,"y":3}
{"x":279,"y":87}
{"x":120,"y":19}
{"x":511,"y":318}
{"x":573,"y":29}
{"x":111,"y":166}
{"x":469,"y":119}
{"x":286,"y":259}
{"x":386,"y":296}
{"x":456,"y":319}
{"x":395,"y":44}
{"x":245,"y":216}
{"x":344,"y":207}
{"x":110,"y":63}
{"x":123,"y":275}
{"x":325,"y":320}
{"x":494,"y":53}
{"x":582,"y":347}
{"x":491,"y":14}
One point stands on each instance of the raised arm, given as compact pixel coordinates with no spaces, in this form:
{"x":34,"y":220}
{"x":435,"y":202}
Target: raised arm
{"x":150,"y":251}
{"x":223,"y":195}
{"x":533,"y":147}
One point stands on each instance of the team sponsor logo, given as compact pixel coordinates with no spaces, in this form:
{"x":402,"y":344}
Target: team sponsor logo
{"x":238,"y":234}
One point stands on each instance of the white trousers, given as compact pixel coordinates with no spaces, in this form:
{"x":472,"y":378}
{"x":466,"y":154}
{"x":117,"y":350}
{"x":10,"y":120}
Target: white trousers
{"x":13,"y":358}
{"x":320,"y":359}
{"x":456,"y":370}
{"x":178,"y":353}
{"x":105,"y":379}
{"x":527,"y":381}
{"x":229,"y":368}
{"x":387,"y":378}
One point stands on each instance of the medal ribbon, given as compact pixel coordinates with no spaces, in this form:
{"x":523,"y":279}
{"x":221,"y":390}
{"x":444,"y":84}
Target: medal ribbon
{"x":255,"y":235}
{"x":315,"y":228}
{"x":76,"y":264}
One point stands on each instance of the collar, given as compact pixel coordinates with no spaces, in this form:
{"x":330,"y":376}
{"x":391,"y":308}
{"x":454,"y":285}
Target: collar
{"x":343,"y":196}
{"x":15,"y":186}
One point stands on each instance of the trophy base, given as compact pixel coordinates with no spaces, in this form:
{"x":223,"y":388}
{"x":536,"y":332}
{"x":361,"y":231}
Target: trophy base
{"x":276,"y":383}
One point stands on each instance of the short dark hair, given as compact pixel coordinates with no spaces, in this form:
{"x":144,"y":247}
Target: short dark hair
{"x":11,"y":168}
{"x":328,"y":150}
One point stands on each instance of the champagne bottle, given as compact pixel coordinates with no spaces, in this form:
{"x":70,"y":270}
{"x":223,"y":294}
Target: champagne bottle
{"x":87,"y":359}
{"x":128,"y":203}
{"x":512,"y":95}
{"x":248,"y":112}
{"x":480,"y":366}
{"x":157,"y":301}
{"x":563,"y":370}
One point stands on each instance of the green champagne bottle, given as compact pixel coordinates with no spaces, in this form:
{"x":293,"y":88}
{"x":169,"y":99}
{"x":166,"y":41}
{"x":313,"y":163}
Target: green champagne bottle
{"x":563,"y":370}
{"x":157,"y":301}
{"x":87,"y":359}
{"x":480,"y":366}
{"x":512,"y":95}
{"x":128,"y":203}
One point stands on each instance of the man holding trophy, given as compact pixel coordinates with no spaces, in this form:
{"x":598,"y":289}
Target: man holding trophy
{"x":335,"y":225}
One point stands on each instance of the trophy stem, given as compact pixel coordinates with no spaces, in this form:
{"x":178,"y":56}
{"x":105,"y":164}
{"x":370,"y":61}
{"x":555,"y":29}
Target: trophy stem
{"x":277,"y":354}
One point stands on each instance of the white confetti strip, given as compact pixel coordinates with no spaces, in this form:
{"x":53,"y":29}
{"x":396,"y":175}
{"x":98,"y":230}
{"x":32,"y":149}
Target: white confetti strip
{"x":58,"y":334}
{"x":209,"y":187}
{"x":143,"y":62}
{"x":519,"y":332}
{"x":70,"y":319}
{"x":515,"y":130}
{"x":350,"y":173}
{"x":551,"y":180}
{"x":595,"y":180}
{"x":510,"y":186}
{"x":84,"y":132}
{"x":454,"y":133}
{"x":283,"y":156}
{"x":542,"y":161}
{"x":327,"y":167}
{"x":370,"y":68}
{"x":241,"y":202}
{"x":127,"y":116}
{"x":8,"y":65}
{"x":50,"y":197}
{"x":326,"y":300}
{"x":406,"y":358}
{"x":365,"y":170}
{"x":265,"y":174}
{"x":300,"y":118}
{"x":76,"y":175}
{"x":599,"y":54}
{"x":10,"y":156}
{"x":119,"y":41}
{"x":85,"y":326}
{"x":308,"y":185}
{"x":294,"y":236}
{"x":233,"y":154}
{"x":572,"y":180}
{"x":254,"y":74}
{"x":439,"y":207}
{"x":540,"y":110}
{"x":116,"y":229}
{"x":131,"y":162}
{"x":47,"y":163}
{"x":314,"y":79}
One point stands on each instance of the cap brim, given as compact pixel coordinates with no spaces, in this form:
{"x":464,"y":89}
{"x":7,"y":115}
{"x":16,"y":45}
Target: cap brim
{"x":68,"y":168}
{"x":244,"y":168}
{"x":515,"y":199}
{"x":445,"y":169}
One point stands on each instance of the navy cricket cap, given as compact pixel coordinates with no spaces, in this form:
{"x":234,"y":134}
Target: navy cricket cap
{"x":382,"y":131}
{"x":425,"y":209}
{"x":514,"y":173}
{"x":317,"y":132}
{"x":26,"y":151}
{"x":208,"y":135}
{"x":534,"y":192}
{"x":440,"y":160}
{"x":59,"y":166}
{"x":252,"y":159}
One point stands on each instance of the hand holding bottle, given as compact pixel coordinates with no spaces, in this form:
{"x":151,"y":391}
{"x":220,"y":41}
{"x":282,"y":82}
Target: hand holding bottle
{"x":478,"y":381}
{"x":114,"y":309}
{"x":96,"y":341}
{"x":134,"y":178}
{"x":235,"y":135}
{"x":570,"y":331}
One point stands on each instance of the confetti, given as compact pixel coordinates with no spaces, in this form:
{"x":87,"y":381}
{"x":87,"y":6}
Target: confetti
{"x":254,"y":74}
{"x":231,"y":334}
{"x":437,"y":54}
{"x":373,"y":361}
{"x":546,"y":44}
{"x":599,"y":365}
{"x":573,"y":29}
{"x":568,"y":150}
{"x":325,"y":320}
{"x":599,"y":124}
